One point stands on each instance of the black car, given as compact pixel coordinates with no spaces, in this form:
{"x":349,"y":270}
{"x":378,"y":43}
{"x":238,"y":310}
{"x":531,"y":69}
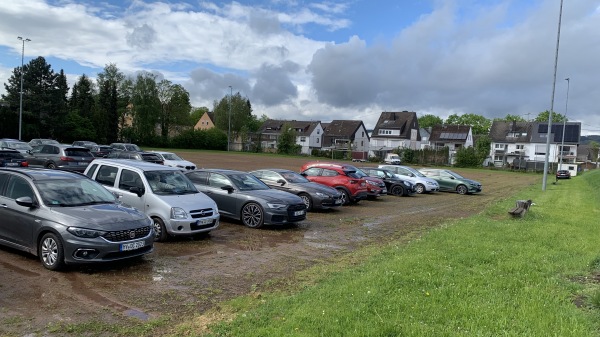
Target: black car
{"x":395,"y":185}
{"x":563,"y":174}
{"x":314,"y":195}
{"x":12,"y":158}
{"x":145,"y":156}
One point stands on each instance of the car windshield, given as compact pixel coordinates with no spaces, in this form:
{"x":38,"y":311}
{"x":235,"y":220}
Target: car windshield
{"x":294,"y":177}
{"x":455,"y":175}
{"x":168,"y":182}
{"x":247,"y":182}
{"x":415,"y":172}
{"x":132,"y":147}
{"x":19,"y":146}
{"x":49,"y":141}
{"x":171,"y":156}
{"x":73,"y":192}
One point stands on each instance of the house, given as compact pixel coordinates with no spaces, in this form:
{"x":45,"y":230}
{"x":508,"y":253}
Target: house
{"x":523,"y":144}
{"x":425,"y":133}
{"x":206,"y":121}
{"x":395,"y":130}
{"x":347,"y":135}
{"x":308,"y":134}
{"x":451,"y":136}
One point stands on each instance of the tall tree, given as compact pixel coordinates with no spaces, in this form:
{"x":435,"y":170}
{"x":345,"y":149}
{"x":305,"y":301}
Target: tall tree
{"x":286,"y":143}
{"x":175,"y":106}
{"x":556,"y":117}
{"x":82,"y":97}
{"x":428,"y":121}
{"x":480,"y":124}
{"x":232,"y":109}
{"x":146,"y":107}
{"x":511,"y":118}
{"x":109,"y":105}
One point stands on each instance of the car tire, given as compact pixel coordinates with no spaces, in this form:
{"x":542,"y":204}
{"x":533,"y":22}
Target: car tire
{"x":160,"y":231}
{"x":253,"y":215}
{"x":397,"y":190}
{"x":420,"y":189}
{"x":345,"y":196}
{"x":51,"y":166}
{"x":51,"y":252}
{"x":461,"y":189}
{"x":307,"y":201}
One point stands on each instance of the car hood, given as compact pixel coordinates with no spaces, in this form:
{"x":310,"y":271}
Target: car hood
{"x":188,"y":201}
{"x":104,"y":216}
{"x":179,"y":162}
{"x":316,"y":187}
{"x":273,"y":195}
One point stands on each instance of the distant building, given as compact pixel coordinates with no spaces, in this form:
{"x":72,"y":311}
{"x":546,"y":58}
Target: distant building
{"x":395,"y":130}
{"x":308,"y":134}
{"x":205,"y":122}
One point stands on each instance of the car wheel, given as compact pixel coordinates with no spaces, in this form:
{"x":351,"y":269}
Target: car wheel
{"x":397,"y":190}
{"x":461,"y":189}
{"x":307,"y":201}
{"x":420,"y":189}
{"x":51,"y":252}
{"x":51,"y":165}
{"x":160,"y":232}
{"x":253,"y":215}
{"x":345,"y":196}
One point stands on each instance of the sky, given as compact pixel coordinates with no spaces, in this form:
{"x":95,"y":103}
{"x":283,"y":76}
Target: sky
{"x":325,"y":60}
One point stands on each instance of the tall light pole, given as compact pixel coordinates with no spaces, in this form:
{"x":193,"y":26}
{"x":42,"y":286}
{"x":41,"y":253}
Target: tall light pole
{"x":546,"y":159}
{"x":229,"y":127}
{"x":562,"y":143}
{"x":21,"y":93}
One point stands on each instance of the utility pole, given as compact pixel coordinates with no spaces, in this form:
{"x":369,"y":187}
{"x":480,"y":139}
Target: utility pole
{"x":21,"y":93}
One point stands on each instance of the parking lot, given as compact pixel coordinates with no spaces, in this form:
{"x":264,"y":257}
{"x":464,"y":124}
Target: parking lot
{"x":184,"y":277}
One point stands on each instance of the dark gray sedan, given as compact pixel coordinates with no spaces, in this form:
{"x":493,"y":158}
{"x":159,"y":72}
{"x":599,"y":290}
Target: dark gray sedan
{"x":242,"y":196}
{"x":64,"y":217}
{"x":314,"y":195}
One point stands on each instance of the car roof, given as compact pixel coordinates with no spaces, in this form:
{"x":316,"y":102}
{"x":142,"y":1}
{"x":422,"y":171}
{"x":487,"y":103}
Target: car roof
{"x":138,"y":164}
{"x":161,"y":152}
{"x":278,"y":170}
{"x":330,"y":165}
{"x":222,"y":171}
{"x":44,"y":174}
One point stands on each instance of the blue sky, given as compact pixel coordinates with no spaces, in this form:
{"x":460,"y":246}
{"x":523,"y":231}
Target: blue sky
{"x":324,"y":60}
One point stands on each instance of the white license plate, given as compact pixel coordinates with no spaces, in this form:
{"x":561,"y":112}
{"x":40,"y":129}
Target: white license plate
{"x":83,"y":163}
{"x":204,"y":222}
{"x":12,"y":164}
{"x":296,"y":213}
{"x":132,"y":245}
{"x":339,"y":201}
{"x":384,"y":191}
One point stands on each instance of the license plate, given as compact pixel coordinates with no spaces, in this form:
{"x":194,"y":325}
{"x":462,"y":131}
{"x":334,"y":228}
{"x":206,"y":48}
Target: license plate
{"x":204,"y":222}
{"x":12,"y":164}
{"x":83,"y":163}
{"x":339,"y":201}
{"x":384,"y":191}
{"x":296,"y":213}
{"x":132,"y":245}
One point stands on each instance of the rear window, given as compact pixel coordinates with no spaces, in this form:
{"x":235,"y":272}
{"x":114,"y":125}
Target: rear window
{"x":78,"y":153}
{"x":151,"y":157}
{"x":10,"y":155}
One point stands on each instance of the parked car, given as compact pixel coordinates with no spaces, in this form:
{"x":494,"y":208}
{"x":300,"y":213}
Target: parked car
{"x":451,"y":181}
{"x":60,"y":156}
{"x":339,"y":176}
{"x":173,"y":160}
{"x":142,"y":156}
{"x":100,"y":151}
{"x":563,"y":174}
{"x":392,"y":158}
{"x":64,"y":217}
{"x":422,"y":183}
{"x":85,"y":143}
{"x":395,"y":185}
{"x":315,"y":196}
{"x":176,"y":207}
{"x":14,"y":144}
{"x":42,"y":141}
{"x":375,"y":186}
{"x":242,"y":196}
{"x":12,"y":158}
{"x":125,"y":147}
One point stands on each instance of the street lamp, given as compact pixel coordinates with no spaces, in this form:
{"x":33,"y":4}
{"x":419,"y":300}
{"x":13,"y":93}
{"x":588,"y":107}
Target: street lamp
{"x":562,"y":144}
{"x":21,"y":98}
{"x":229,"y":127}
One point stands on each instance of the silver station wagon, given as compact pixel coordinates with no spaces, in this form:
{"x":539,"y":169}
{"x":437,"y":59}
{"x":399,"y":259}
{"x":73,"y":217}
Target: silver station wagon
{"x":64,"y":217}
{"x":176,"y":207}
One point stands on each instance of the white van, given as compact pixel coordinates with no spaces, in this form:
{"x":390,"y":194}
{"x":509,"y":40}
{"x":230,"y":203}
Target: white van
{"x":162,"y":192}
{"x":422,"y":183}
{"x":392,"y":158}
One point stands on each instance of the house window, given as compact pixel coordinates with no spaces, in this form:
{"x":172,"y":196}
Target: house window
{"x":318,"y":131}
{"x":363,"y":134}
{"x":499,"y":146}
{"x":302,"y":139}
{"x":317,"y":140}
{"x":362,"y":143}
{"x":520,"y":147}
{"x":497,"y":158}
{"x":385,"y":132}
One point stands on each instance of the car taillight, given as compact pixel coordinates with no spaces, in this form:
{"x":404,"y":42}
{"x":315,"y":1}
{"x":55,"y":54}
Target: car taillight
{"x":67,"y":159}
{"x":24,"y":164}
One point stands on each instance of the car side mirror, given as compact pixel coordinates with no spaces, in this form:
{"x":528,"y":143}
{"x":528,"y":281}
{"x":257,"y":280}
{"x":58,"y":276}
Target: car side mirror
{"x":137,"y":190}
{"x":281,"y":182}
{"x":303,"y":174}
{"x":452,"y":178}
{"x":227,"y":188}
{"x":26,"y":202}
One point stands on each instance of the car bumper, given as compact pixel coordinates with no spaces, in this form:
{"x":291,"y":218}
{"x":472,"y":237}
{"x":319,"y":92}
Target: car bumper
{"x":326,"y":203}
{"x":294,"y":213}
{"x":76,"y":168}
{"x":430,"y":188}
{"x":79,"y":250}
{"x":192,"y":226}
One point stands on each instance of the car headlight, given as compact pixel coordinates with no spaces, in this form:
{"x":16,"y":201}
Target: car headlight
{"x":322,"y":195}
{"x":178,"y":213}
{"x":85,"y":233}
{"x":406,"y":183}
{"x":276,"y":206}
{"x":372,"y":183}
{"x":431,"y":183}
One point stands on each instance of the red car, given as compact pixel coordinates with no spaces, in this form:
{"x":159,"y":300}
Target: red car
{"x":341,"y":177}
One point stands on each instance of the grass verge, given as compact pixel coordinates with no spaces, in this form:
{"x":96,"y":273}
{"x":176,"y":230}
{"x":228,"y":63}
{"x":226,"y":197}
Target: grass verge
{"x":487,"y":275}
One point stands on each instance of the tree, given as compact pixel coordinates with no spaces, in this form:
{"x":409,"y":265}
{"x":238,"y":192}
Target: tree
{"x":428,"y":121}
{"x":146,"y":107}
{"x":107,"y":114}
{"x":511,"y":118}
{"x":286,"y":143}
{"x":241,"y":113}
{"x":594,"y":149}
{"x":175,"y":106}
{"x":480,"y":124}
{"x":82,"y":97}
{"x":556,"y":117}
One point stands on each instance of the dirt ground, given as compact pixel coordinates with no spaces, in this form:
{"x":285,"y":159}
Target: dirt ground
{"x":184,"y":277}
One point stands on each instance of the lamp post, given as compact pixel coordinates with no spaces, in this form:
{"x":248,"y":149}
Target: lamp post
{"x":229,"y":123}
{"x":21,"y":93}
{"x":562,"y":143}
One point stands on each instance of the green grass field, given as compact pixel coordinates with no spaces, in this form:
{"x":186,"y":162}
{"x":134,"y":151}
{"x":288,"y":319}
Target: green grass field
{"x":487,"y":275}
